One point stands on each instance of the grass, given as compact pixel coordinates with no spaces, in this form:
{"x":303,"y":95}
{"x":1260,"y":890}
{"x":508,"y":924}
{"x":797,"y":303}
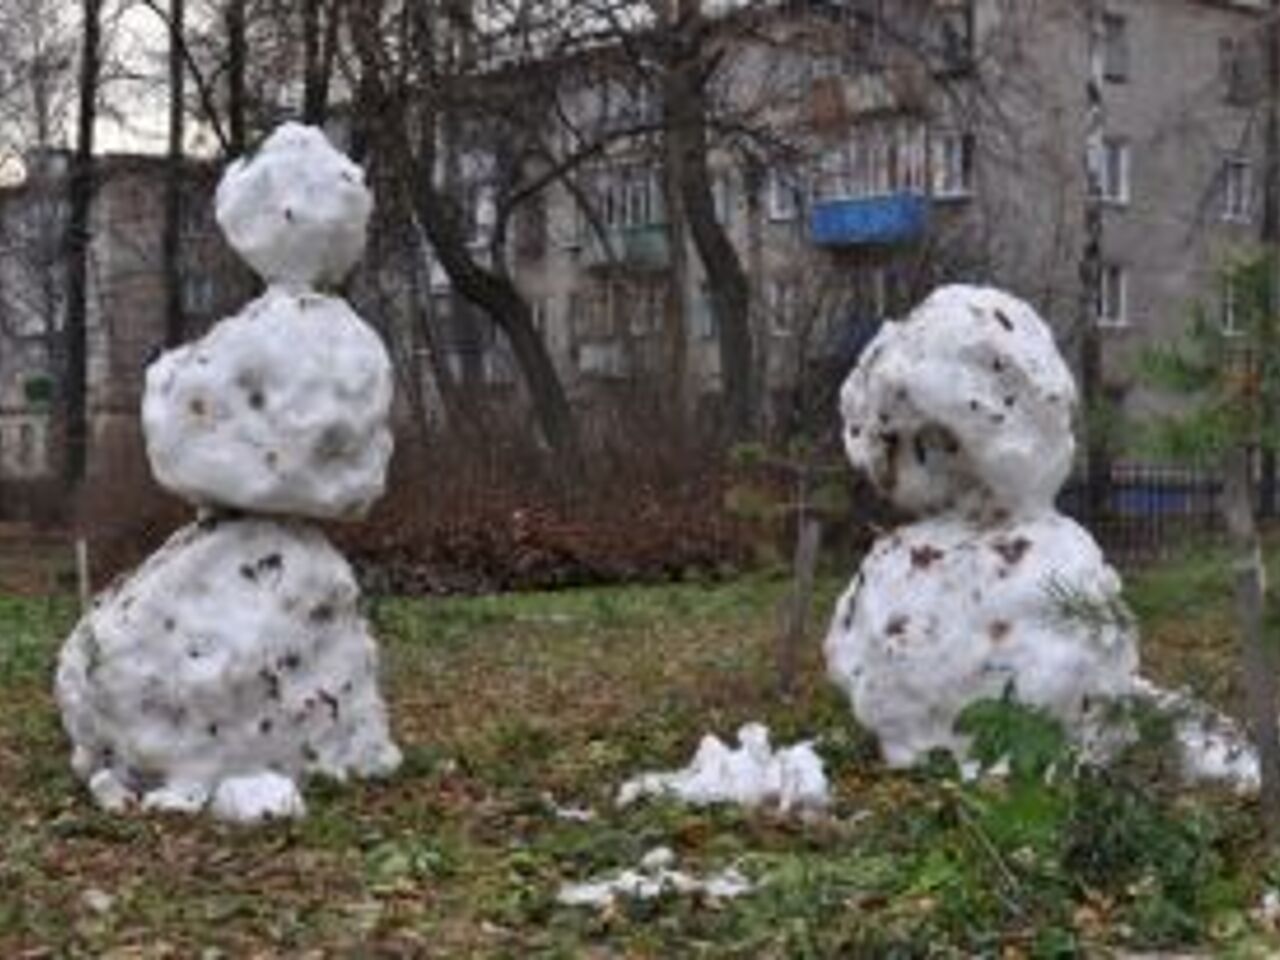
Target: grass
{"x":508,"y":705}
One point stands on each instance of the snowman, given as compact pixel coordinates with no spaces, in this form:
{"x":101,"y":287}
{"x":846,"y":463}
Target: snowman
{"x":235,"y":662}
{"x":961,"y":416}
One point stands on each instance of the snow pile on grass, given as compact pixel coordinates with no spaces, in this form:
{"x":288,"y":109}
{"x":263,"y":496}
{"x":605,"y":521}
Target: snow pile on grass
{"x":1212,"y":747}
{"x":654,"y":878}
{"x":753,"y":775}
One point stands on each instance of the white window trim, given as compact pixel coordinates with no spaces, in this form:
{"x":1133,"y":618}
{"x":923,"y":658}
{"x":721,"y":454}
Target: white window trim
{"x":784,"y":196}
{"x":963,"y":146}
{"x":1121,"y":319}
{"x":1123,"y":192}
{"x":782,"y":301}
{"x":1237,"y":205}
{"x":1228,"y":309}
{"x":1114,"y":72}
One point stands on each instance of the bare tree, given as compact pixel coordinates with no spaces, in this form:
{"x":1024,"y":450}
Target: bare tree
{"x":171,"y":249}
{"x":80,"y":189}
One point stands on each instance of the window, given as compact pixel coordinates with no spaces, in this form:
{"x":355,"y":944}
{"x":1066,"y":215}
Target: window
{"x":481,"y":212}
{"x":199,"y":294}
{"x":1238,"y":71}
{"x":1237,"y":189}
{"x":1113,"y":296}
{"x":723,"y":195}
{"x":1115,"y":170}
{"x":26,"y":457}
{"x":955,"y":36}
{"x":1228,"y":308}
{"x":784,"y":196}
{"x":1115,"y":48}
{"x":782,"y":299}
{"x":703,"y":317}
{"x":588,"y":316}
{"x":531,"y":229}
{"x":627,"y":197}
{"x":953,"y":165}
{"x":878,"y":158}
{"x":643,"y":306}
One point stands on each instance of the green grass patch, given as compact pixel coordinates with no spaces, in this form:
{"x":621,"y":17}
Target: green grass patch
{"x":510,"y":706}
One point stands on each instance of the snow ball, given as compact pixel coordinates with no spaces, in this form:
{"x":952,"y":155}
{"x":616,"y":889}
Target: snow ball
{"x":252,"y":799}
{"x":967,"y":400}
{"x":283,"y":408}
{"x":176,"y":798}
{"x":297,"y":210}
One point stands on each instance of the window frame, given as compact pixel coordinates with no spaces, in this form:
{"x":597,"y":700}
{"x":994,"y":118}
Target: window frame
{"x":1237,"y":192}
{"x":951,"y":146}
{"x":1120,"y":192}
{"x":1113,"y":284}
{"x":1117,"y":56}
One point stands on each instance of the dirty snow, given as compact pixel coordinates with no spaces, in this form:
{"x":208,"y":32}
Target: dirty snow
{"x":653,"y":878}
{"x":1212,"y":747}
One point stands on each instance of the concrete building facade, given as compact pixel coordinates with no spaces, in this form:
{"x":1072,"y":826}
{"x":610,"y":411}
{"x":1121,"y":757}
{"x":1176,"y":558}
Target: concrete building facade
{"x":126,"y":315}
{"x":909,"y":144}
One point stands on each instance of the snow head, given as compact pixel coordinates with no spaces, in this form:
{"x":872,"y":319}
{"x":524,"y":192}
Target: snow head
{"x":966,"y":402}
{"x":297,"y":210}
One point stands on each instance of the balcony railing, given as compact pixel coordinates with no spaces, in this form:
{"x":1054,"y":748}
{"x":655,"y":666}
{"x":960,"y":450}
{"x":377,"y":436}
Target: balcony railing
{"x":885,"y":220}
{"x":638,"y":248}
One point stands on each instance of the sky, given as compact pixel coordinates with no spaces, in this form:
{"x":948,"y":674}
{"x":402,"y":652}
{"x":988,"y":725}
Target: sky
{"x":142,"y":111}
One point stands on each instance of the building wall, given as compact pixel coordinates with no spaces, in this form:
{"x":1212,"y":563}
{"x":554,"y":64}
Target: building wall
{"x":1020,"y":225}
{"x":126,"y":315}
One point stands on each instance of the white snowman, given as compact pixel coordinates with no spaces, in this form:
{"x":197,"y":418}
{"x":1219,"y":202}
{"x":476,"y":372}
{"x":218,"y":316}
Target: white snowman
{"x":961,"y":415}
{"x":235,"y":661}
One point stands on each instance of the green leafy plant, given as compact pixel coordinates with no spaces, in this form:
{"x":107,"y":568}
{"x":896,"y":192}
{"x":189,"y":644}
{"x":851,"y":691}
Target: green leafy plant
{"x":1029,"y":739}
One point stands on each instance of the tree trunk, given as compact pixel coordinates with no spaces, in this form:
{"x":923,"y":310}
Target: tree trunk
{"x":685,"y":107}
{"x":1097,"y":455}
{"x":675,"y":331}
{"x":319,"y":43}
{"x":1271,"y":229}
{"x":1258,"y":658}
{"x":237,"y":59}
{"x":75,"y":387}
{"x":171,"y":253}
{"x":490,"y":289}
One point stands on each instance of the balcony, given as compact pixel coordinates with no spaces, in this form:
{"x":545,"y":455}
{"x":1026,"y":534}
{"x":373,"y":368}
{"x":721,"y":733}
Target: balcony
{"x":886,"y":220}
{"x":636,"y":248}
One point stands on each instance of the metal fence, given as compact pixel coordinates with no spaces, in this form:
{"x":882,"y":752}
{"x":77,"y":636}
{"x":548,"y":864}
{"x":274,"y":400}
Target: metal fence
{"x":1148,"y":511}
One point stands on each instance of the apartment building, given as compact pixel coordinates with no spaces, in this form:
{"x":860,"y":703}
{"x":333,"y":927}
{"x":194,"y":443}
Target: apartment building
{"x":913,"y":143}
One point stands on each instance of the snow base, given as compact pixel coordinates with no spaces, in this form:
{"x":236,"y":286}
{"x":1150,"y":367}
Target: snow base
{"x":944,"y":614}
{"x":233,"y":661}
{"x":753,"y":775}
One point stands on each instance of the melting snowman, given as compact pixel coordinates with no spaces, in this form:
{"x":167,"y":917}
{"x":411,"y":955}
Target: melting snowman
{"x":961,"y":416}
{"x":235,"y":662}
